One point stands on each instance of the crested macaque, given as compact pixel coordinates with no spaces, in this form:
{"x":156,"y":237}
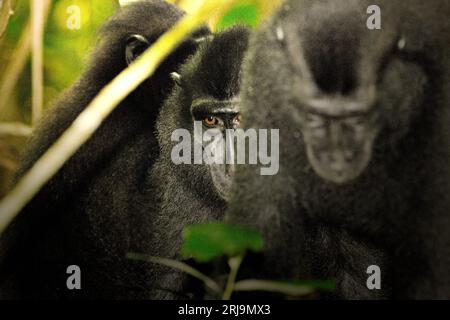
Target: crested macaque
{"x":207,"y":92}
{"x":88,"y":214}
{"x":364,"y":119}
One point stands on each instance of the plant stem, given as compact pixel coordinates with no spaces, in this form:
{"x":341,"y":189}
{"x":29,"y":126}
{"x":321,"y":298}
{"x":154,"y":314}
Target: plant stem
{"x":234,"y":264}
{"x":37,"y":74}
{"x":5,"y":14}
{"x":15,"y":129}
{"x":211,"y":284}
{"x":15,"y":67}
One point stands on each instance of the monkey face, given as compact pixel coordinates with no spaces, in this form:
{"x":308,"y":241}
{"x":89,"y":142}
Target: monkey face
{"x":339,"y":149}
{"x":341,"y":132}
{"x":217,"y":117}
{"x":206,"y":99}
{"x":354,"y":90}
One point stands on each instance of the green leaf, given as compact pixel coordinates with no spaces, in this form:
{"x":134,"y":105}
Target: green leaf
{"x":246,"y":13}
{"x":205,"y":242}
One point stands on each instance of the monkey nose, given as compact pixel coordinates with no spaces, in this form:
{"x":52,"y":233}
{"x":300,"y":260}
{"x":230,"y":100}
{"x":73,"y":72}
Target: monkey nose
{"x":349,"y":155}
{"x":339,"y":159}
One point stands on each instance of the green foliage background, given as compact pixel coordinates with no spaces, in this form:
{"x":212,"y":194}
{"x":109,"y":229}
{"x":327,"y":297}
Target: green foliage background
{"x":65,"y":54}
{"x":64,"y":50}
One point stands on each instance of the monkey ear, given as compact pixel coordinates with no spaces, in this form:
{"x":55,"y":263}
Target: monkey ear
{"x":176,"y":77}
{"x":136,"y":45}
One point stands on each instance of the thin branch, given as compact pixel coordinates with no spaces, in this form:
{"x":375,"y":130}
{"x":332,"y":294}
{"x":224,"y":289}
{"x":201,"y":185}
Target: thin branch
{"x":18,"y":62}
{"x":15,"y":129}
{"x":235,"y":264}
{"x":15,"y":68}
{"x":90,"y":119}
{"x":5,"y":13}
{"x":210,"y":283}
{"x":289,"y":289}
{"x":37,"y":76}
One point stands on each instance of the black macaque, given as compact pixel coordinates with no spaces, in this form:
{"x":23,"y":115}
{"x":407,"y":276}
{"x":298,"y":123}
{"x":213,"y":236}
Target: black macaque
{"x":364,"y":119}
{"x":208,"y":93}
{"x":87,"y":214}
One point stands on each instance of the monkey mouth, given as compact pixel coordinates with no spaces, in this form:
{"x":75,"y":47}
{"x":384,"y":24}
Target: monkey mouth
{"x":338,"y":166}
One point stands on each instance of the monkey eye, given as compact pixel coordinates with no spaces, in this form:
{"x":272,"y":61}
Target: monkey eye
{"x":356,"y":121}
{"x":211,"y":121}
{"x":237,"y":120}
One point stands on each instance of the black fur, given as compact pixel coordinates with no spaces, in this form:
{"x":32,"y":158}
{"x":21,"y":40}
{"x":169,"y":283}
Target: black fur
{"x":397,"y":213}
{"x":86,"y":215}
{"x":186,"y":192}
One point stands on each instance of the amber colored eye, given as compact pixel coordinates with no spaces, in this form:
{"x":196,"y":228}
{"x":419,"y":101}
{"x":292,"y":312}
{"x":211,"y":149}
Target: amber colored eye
{"x":211,"y":121}
{"x":237,"y":120}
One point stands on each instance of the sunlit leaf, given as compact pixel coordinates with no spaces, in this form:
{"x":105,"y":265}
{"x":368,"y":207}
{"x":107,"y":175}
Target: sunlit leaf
{"x":205,"y":242}
{"x":246,"y":13}
{"x":5,"y":13}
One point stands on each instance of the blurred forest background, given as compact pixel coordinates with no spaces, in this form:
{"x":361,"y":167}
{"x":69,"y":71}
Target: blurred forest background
{"x":65,"y":48}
